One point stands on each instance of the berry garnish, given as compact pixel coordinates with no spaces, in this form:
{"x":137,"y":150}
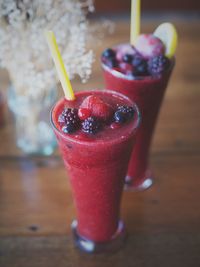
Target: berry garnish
{"x":98,"y":107}
{"x":69,"y":120}
{"x":91,"y":125}
{"x":137,"y":60}
{"x":102,"y":111}
{"x":126,"y":68}
{"x":84,"y":113}
{"x":108,"y":53}
{"x":128,"y":58}
{"x":141,"y":66}
{"x":68,"y":128}
{"x":158,"y":64}
{"x":111,"y":63}
{"x":124,"y":49}
{"x":129,"y":111}
{"x":149,"y":46}
{"x":120,"y":116}
{"x":123,"y":114}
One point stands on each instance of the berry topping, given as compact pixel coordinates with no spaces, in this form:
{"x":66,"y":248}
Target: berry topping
{"x":126,"y":68}
{"x":111,"y":63}
{"x":69,"y":128}
{"x":158,"y":64}
{"x":137,"y":60}
{"x":128,"y":58}
{"x":124,"y":49}
{"x":102,"y":111}
{"x":120,"y":116}
{"x":129,"y":111}
{"x":84,"y":113}
{"x":98,"y":108}
{"x":93,"y":116}
{"x":149,"y":46}
{"x":91,"y":125}
{"x":108,"y":53}
{"x":69,"y":120}
{"x":123,"y":114}
{"x":141,"y":70}
{"x":141,"y":67}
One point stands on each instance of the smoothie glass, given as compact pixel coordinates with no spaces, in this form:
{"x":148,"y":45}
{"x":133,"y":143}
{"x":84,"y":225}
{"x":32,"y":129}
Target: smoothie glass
{"x":147,"y":92}
{"x":97,"y":167}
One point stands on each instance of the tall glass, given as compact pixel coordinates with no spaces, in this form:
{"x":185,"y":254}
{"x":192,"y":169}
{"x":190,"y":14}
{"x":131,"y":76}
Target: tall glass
{"x":96,"y":169}
{"x":147,"y":92}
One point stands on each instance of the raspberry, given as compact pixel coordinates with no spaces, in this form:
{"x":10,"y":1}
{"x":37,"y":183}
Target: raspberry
{"x":149,"y":46}
{"x":69,"y":120}
{"x":90,"y":101}
{"x":124,"y":49}
{"x":91,"y":125}
{"x":102,"y":111}
{"x":158,"y":64}
{"x":84,"y":113}
{"x":98,"y":108}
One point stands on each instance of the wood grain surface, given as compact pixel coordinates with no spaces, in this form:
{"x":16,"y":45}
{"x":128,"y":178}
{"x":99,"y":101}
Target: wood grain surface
{"x":163,"y":223}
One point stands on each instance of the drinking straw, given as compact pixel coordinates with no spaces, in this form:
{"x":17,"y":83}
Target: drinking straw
{"x":59,"y":64}
{"x":135,"y":20}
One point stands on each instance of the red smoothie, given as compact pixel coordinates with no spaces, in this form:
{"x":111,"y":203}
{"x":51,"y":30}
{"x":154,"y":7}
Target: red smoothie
{"x":97,"y":164}
{"x":147,"y":92}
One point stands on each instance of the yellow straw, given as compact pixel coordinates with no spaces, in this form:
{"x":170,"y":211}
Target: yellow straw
{"x":59,"y":64}
{"x":135,"y":20}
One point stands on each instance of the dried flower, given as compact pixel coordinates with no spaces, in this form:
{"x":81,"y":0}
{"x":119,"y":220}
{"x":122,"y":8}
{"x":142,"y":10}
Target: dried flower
{"x":23,"y":49}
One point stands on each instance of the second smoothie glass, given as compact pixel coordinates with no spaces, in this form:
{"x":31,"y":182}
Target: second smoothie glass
{"x":147,"y":93}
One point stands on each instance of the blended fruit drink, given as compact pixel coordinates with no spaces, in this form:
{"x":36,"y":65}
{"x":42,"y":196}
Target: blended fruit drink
{"x":141,"y":72}
{"x":96,"y":148}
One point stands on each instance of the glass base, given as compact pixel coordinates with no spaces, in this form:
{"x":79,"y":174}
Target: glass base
{"x":90,"y":246}
{"x":137,"y":185}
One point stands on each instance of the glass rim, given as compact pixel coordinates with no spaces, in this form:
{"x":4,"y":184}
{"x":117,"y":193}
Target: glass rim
{"x":133,"y":129}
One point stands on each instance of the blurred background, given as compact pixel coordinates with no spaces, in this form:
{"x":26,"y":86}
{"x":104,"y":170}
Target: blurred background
{"x":152,"y":5}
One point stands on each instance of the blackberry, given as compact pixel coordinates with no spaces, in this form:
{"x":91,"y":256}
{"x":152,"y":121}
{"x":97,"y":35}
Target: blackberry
{"x":123,"y":114}
{"x":120,"y":116}
{"x":69,"y":120}
{"x":141,"y":66}
{"x":158,"y":64}
{"x":68,"y":128}
{"x":91,"y":125}
{"x":137,"y":60}
{"x":129,"y":111}
{"x":128,"y":58}
{"x":108,"y":53}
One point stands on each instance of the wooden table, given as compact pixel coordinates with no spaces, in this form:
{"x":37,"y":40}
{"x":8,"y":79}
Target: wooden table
{"x":163,"y":222}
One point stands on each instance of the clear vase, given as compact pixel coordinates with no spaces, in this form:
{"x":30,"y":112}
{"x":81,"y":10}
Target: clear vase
{"x":33,"y":131}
